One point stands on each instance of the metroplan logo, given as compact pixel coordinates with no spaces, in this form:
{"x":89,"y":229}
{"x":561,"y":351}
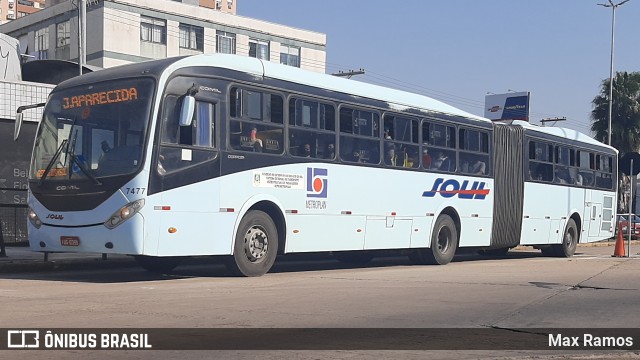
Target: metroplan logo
{"x":317,"y":183}
{"x":452,"y":187}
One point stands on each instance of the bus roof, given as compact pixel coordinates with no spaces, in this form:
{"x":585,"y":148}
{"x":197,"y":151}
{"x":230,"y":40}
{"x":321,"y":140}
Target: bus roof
{"x":397,"y":99}
{"x":562,"y":133}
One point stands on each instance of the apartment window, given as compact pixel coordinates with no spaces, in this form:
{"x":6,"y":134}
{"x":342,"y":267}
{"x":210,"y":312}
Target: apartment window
{"x":225,"y":42}
{"x":290,"y":55}
{"x":153,"y":30}
{"x":259,"y":49}
{"x":42,"y":39}
{"x":191,"y":37}
{"x":63,"y":34}
{"x":42,"y":43}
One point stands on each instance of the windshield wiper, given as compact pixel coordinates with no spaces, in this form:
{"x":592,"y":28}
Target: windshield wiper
{"x":75,"y":159}
{"x":83,"y":168}
{"x":52,"y":161}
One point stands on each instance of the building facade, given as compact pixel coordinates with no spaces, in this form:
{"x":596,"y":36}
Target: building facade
{"x":13,"y":9}
{"x":126,"y":31}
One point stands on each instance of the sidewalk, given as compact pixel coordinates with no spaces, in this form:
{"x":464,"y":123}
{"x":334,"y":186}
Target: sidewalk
{"x":22,"y":259}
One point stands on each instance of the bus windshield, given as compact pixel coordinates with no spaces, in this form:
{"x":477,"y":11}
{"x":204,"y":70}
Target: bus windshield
{"x":93,"y":131}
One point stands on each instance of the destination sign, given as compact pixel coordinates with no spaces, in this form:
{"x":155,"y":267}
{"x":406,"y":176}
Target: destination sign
{"x":100,"y":98}
{"x":54,"y":172}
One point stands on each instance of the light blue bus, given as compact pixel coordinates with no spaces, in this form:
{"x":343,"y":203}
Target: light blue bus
{"x":228,"y":155}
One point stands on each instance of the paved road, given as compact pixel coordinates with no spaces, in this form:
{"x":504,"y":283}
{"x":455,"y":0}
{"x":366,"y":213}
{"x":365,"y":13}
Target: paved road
{"x":523,"y":290}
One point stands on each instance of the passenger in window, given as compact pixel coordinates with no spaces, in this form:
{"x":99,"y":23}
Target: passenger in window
{"x":390,"y":157}
{"x":478,"y":168}
{"x":574,"y":176}
{"x":426,"y":158}
{"x":330,"y":152}
{"x":561,"y":176}
{"x":535,"y":172}
{"x":361,"y":156}
{"x":256,"y":143}
{"x":305,"y":150}
{"x":409,"y":160}
{"x":441,"y":162}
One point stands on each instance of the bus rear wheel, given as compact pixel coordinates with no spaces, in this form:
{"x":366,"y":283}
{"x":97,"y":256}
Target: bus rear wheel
{"x":444,"y":242}
{"x":157,"y":264}
{"x":569,"y":241}
{"x":255,"y":246}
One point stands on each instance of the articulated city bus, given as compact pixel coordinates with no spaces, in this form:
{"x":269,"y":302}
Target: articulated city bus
{"x":228,"y":155}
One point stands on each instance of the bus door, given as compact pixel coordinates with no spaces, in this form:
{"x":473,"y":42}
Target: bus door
{"x":186,"y":158}
{"x":387,"y":232}
{"x":595,"y":219}
{"x":606,"y":228}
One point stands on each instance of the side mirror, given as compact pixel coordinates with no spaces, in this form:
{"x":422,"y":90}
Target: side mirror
{"x":19,"y":117}
{"x":17,"y":126}
{"x":188,"y":108}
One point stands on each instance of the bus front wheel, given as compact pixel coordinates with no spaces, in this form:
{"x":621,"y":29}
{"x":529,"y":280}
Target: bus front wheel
{"x":444,"y":242}
{"x":255,"y":246}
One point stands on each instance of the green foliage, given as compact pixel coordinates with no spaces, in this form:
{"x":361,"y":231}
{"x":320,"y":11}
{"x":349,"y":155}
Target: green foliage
{"x":625,"y":122}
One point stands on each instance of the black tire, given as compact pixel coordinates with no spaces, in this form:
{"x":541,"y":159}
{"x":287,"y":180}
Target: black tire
{"x":494,"y":252}
{"x":156,"y":264}
{"x":444,"y":243}
{"x":256,"y":245}
{"x":569,"y":241}
{"x":353,"y":257}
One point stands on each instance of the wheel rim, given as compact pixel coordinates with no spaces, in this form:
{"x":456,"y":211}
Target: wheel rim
{"x":256,"y":243}
{"x":569,"y":239}
{"x":444,"y":239}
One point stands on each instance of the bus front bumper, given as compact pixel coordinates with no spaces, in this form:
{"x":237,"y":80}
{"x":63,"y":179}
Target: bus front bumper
{"x":127,"y":238}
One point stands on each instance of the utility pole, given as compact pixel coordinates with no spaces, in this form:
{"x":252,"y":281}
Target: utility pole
{"x":556,"y":119}
{"x":613,"y":27}
{"x":349,"y":74}
{"x":82,"y":34}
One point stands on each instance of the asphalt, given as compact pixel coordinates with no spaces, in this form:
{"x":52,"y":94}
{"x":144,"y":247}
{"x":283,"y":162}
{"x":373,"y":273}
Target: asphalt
{"x":22,"y":259}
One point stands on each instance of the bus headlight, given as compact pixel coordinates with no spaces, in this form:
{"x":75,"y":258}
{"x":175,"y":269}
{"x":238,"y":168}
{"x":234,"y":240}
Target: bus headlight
{"x":34,"y":219}
{"x":124,"y":213}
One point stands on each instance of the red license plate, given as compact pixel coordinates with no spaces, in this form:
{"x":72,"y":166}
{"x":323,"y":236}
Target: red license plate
{"x":69,"y":241}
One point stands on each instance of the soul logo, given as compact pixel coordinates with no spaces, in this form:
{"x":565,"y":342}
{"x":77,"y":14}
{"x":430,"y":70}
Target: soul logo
{"x":452,"y":187}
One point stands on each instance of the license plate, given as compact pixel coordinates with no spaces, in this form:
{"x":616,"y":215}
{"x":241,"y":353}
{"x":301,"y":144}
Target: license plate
{"x":69,"y":241}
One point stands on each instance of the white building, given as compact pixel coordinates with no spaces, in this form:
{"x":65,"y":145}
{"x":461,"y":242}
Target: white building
{"x":125,"y":31}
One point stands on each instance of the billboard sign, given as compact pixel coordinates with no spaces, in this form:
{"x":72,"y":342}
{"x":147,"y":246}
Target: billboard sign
{"x":510,"y":106}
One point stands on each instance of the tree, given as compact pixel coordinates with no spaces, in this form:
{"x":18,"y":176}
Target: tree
{"x":625,"y":121}
{"x":625,"y":115}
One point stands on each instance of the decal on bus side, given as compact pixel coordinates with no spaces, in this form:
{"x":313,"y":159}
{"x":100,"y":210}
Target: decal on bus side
{"x":452,"y":187}
{"x":317,"y":182}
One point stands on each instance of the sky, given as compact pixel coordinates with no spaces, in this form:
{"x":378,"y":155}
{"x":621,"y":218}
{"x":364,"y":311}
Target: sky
{"x":458,"y":50}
